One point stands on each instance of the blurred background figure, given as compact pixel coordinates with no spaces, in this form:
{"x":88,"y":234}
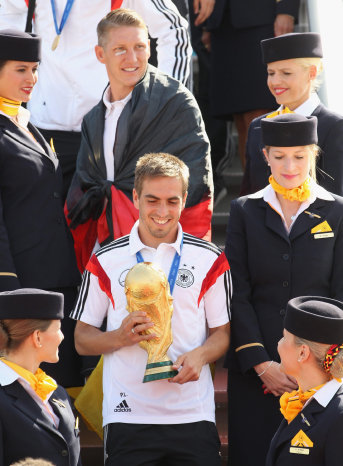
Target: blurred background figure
{"x":199,"y":12}
{"x":311,"y":352}
{"x":283,"y":241}
{"x":72,"y":80}
{"x":294,"y":65}
{"x":238,"y":78}
{"x":36,"y":418}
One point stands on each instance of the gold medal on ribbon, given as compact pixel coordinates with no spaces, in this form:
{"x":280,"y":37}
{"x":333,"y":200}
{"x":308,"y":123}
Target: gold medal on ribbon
{"x":55,"y":42}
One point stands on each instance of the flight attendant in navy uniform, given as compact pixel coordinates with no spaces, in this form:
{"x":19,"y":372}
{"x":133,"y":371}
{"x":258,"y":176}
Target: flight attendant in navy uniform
{"x":36,"y":418}
{"x":311,"y":351}
{"x":283,"y":241}
{"x":36,"y":248}
{"x":294,"y":63}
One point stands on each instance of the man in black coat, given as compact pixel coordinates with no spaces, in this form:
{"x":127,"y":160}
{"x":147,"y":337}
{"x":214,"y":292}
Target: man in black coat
{"x":142,"y":111}
{"x":238,"y":79}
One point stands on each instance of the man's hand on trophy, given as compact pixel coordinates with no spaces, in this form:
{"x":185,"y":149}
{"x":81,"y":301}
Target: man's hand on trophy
{"x":132,"y":326}
{"x":191,"y":364}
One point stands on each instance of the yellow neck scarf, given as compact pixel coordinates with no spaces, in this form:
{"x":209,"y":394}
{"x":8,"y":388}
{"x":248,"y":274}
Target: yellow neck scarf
{"x":301,"y":193}
{"x":41,"y":383}
{"x":278,"y":112}
{"x":292,"y":403}
{"x":10,"y":107}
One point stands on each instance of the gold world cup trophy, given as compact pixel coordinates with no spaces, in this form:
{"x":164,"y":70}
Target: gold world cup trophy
{"x":147,"y":289}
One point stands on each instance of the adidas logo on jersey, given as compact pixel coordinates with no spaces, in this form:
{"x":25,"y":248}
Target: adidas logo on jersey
{"x":123,"y":407}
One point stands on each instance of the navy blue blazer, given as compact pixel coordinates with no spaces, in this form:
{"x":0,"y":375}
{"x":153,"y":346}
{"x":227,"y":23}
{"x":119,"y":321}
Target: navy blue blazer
{"x":329,"y":164}
{"x":36,"y":247}
{"x":26,"y":430}
{"x":323,"y":426}
{"x":269,"y":267}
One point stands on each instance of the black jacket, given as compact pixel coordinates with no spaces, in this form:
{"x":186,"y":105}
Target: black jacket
{"x":27,"y":431}
{"x":251,"y":13}
{"x":36,"y":248}
{"x":324,"y":428}
{"x":269,"y":267}
{"x":329,"y":164}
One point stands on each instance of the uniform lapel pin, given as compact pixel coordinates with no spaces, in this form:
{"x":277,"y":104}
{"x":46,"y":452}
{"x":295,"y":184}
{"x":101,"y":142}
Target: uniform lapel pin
{"x":311,"y":214}
{"x":60,"y":403}
{"x":305,"y":420}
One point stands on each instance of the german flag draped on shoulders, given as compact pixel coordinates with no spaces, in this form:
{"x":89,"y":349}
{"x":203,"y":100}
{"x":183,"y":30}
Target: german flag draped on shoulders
{"x":162,"y":116}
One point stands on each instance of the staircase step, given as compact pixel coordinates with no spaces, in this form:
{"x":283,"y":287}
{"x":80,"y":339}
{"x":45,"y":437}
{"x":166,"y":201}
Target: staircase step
{"x":92,"y":452}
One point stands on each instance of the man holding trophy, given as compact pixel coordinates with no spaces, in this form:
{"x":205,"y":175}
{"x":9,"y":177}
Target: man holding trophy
{"x":166,"y":296}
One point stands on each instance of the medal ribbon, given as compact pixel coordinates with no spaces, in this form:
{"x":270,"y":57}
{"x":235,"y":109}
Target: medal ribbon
{"x":65,"y":15}
{"x":173,"y":269}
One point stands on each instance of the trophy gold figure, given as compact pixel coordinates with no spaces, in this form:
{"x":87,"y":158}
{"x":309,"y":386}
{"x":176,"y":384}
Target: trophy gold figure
{"x":147,"y":289}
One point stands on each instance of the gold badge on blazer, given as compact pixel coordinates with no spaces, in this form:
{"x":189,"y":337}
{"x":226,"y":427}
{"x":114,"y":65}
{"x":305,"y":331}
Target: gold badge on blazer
{"x":301,"y":444}
{"x":322,"y":230}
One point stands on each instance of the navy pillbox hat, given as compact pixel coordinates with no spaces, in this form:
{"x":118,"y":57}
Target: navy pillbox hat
{"x":293,"y":45}
{"x":20,"y":46}
{"x":31,"y":303}
{"x":289,"y":130}
{"x":316,"y":319}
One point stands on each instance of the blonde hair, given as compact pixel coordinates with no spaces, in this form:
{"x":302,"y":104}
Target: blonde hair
{"x":306,"y":63}
{"x":319,"y":351}
{"x":118,"y":18}
{"x":33,"y":462}
{"x":314,"y":153}
{"x":160,"y":164}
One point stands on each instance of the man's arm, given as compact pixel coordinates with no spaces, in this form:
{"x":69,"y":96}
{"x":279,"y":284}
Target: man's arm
{"x":192,"y":362}
{"x":216,"y":296}
{"x":91,"y":341}
{"x":165,"y":24}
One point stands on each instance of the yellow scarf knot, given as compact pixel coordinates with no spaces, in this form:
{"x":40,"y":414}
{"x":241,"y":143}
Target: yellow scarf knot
{"x":292,"y":403}
{"x":279,"y":112}
{"x":41,"y":383}
{"x":10,"y":107}
{"x":301,"y":193}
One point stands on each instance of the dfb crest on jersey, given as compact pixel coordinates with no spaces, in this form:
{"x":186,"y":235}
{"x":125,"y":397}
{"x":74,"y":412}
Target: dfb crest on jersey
{"x":122,"y":277}
{"x":185,"y":278}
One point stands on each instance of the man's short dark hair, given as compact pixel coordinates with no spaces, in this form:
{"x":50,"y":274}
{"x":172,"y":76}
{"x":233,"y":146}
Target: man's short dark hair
{"x":118,"y":18}
{"x":160,"y":164}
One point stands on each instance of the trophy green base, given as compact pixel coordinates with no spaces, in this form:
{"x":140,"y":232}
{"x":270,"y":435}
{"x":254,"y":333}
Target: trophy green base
{"x":159,"y":371}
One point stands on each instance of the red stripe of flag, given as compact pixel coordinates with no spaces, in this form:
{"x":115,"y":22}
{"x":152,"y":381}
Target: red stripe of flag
{"x":116,"y":4}
{"x":95,"y":268}
{"x":219,"y":267}
{"x":196,"y":220}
